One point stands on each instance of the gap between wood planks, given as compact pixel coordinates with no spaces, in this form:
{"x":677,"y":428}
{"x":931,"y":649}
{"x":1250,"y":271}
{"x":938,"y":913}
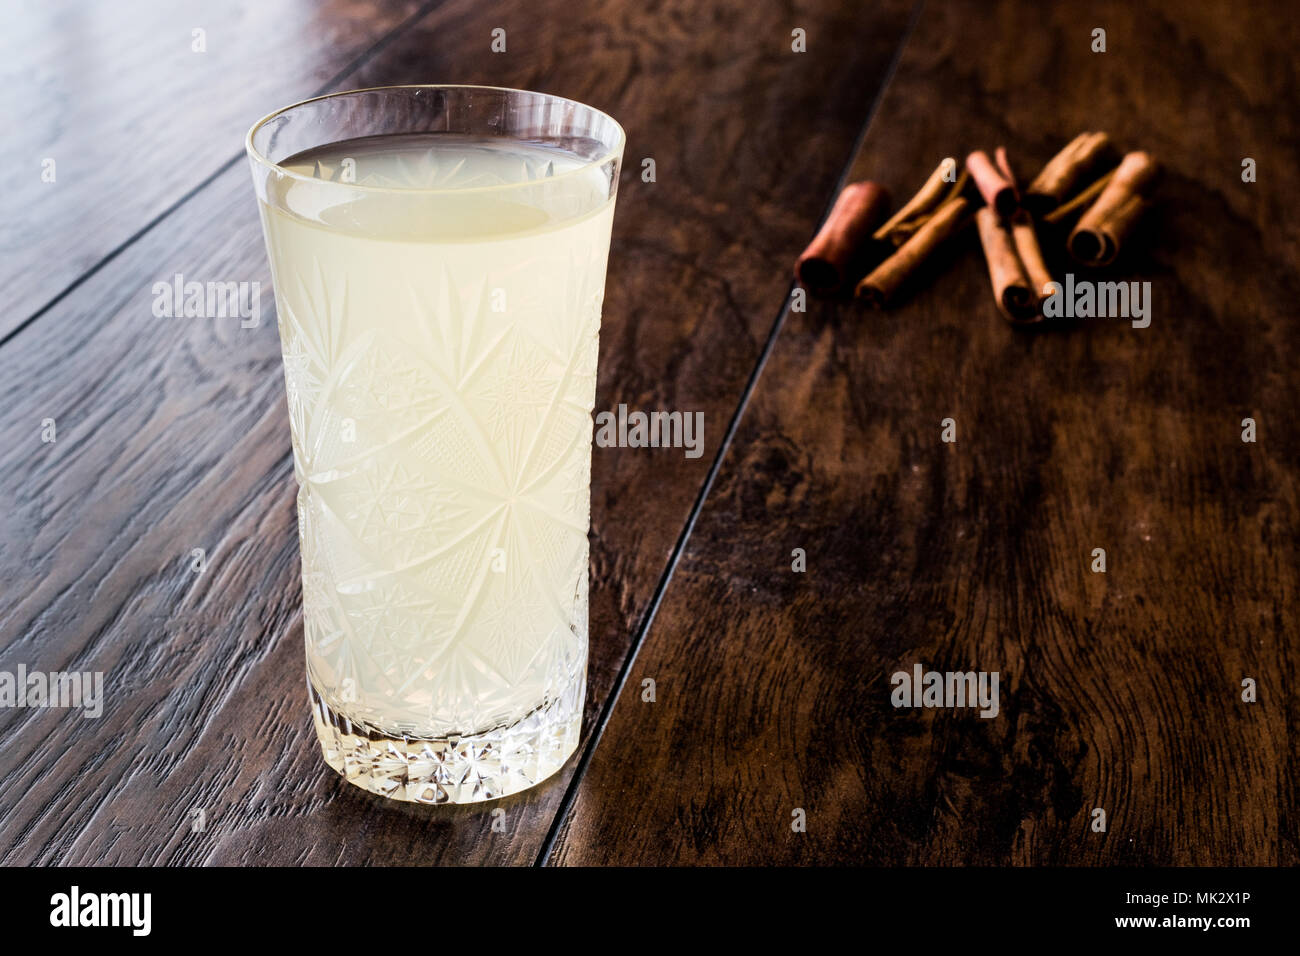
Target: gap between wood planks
{"x":607,"y":709}
{"x":357,"y":63}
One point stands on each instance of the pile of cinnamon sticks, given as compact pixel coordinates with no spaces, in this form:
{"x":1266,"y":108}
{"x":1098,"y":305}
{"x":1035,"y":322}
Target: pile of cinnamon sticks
{"x":862,"y":247}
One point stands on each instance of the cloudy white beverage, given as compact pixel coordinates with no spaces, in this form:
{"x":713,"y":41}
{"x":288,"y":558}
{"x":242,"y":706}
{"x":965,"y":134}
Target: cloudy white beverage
{"x":439,"y":301}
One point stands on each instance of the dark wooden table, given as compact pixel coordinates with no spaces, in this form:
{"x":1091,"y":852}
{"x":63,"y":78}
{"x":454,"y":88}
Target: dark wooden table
{"x":1120,"y":691}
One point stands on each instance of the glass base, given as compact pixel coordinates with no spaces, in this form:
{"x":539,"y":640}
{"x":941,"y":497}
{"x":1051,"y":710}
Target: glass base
{"x":452,"y":769}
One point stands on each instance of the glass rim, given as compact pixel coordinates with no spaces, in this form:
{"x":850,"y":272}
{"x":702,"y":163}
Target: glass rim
{"x":256,"y":155}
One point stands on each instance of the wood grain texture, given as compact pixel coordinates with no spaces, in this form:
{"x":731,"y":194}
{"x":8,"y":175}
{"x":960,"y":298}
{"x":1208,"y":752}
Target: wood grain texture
{"x":134,"y":118}
{"x":172,"y":435}
{"x":1119,"y":690}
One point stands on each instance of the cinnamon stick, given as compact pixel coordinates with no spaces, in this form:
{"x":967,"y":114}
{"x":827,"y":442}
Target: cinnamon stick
{"x":1011,"y":289}
{"x":994,"y":185}
{"x":1096,"y":239}
{"x":923,"y":204}
{"x":900,"y":233}
{"x":1004,"y":164}
{"x":1064,"y":172}
{"x":828,"y":264}
{"x":884,"y":281}
{"x":1025,"y":239}
{"x":1085,"y":198}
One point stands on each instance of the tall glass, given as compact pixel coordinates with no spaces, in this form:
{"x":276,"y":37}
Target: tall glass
{"x":439,"y":263}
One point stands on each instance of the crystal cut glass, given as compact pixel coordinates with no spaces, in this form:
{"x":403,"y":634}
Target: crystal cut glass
{"x":439,"y":256}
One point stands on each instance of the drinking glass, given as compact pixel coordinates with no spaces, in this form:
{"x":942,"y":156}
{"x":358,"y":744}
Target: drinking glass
{"x":439,"y":257}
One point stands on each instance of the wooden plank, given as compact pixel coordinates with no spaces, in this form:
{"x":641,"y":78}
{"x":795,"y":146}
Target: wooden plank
{"x":1119,"y":691}
{"x":173,"y":436}
{"x":133,"y":116}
